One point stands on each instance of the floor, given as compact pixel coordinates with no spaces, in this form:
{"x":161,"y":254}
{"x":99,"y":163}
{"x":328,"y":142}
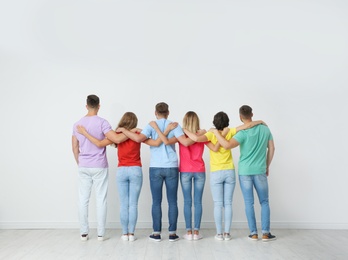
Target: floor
{"x":66,"y":244}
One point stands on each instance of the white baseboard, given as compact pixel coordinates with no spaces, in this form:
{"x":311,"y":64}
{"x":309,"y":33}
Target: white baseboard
{"x":181,"y":225}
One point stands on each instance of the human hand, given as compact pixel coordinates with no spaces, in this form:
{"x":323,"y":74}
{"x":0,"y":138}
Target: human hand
{"x":172,"y":125}
{"x":119,"y":130}
{"x":153,"y":124}
{"x":81,"y":130}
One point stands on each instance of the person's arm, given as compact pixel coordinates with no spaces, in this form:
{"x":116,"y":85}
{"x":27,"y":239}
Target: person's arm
{"x":270,"y":154}
{"x":158,"y":141}
{"x":213,"y":147}
{"x":163,"y":136}
{"x":216,"y":147}
{"x":92,"y":139}
{"x":249,"y":125}
{"x":131,"y":135}
{"x":75,"y":148}
{"x":194,"y":137}
{"x":227,"y":144}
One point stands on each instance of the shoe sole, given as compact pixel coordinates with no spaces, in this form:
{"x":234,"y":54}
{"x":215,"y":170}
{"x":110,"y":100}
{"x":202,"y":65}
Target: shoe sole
{"x":84,"y":239}
{"x":156,"y":240}
{"x":268,"y":239}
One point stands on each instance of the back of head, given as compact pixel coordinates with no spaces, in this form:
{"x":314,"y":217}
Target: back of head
{"x":162,"y":109}
{"x":191,"y":122}
{"x":246,"y":112}
{"x":221,"y":120}
{"x":92,"y":101}
{"x":129,"y":121}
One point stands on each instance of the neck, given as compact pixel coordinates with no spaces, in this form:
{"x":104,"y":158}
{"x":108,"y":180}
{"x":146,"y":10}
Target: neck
{"x":246,"y":121}
{"x":92,"y":112}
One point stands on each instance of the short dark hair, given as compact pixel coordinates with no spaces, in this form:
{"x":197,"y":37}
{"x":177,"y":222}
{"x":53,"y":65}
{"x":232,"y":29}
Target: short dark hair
{"x":92,"y":101}
{"x":221,"y":120}
{"x":246,"y":112}
{"x":162,"y":108}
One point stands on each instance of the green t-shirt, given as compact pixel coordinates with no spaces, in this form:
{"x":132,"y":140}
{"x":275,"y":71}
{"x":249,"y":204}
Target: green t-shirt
{"x":253,"y":150}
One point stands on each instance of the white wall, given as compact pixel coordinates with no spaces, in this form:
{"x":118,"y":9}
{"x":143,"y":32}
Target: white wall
{"x":287,"y":59}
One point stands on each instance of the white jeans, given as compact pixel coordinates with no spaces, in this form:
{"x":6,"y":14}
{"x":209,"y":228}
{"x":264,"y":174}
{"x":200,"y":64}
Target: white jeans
{"x":87,"y":178}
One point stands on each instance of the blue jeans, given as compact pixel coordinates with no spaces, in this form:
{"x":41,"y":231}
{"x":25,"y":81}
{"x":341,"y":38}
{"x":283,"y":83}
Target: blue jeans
{"x":187,"y":179}
{"x":169,"y":176}
{"x":247,"y":183}
{"x":97,"y":177}
{"x":129,"y":182}
{"x":222,"y":184}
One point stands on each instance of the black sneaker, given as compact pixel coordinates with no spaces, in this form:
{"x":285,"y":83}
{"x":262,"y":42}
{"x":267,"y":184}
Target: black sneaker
{"x":155,"y":237}
{"x":253,"y":237}
{"x":173,"y":238}
{"x":268,"y":237}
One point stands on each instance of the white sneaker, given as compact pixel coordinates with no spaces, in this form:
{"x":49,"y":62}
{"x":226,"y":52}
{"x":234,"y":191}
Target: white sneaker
{"x":227,"y":236}
{"x":197,"y":237}
{"x":187,"y":237}
{"x":84,"y":237}
{"x":132,"y":238}
{"x":101,"y":238}
{"x":125,"y":237}
{"x":219,"y":237}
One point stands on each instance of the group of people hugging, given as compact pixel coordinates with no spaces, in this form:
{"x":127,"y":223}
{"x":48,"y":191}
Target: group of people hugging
{"x":91,"y":135}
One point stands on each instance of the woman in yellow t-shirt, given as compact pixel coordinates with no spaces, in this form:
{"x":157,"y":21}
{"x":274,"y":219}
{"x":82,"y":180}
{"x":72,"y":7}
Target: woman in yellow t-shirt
{"x":222,"y":178}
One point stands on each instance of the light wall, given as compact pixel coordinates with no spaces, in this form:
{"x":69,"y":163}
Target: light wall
{"x":287,"y":59}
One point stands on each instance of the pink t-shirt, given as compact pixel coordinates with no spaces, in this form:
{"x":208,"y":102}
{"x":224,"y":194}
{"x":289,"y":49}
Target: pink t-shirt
{"x":91,"y":156}
{"x":191,"y":158}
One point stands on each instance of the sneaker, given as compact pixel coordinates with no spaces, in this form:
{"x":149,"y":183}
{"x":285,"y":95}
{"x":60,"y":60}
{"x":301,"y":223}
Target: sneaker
{"x":173,"y":237}
{"x":131,"y":238}
{"x":253,"y":237}
{"x":124,"y":237}
{"x":155,"y":237}
{"x":197,"y":236}
{"x":219,"y":237}
{"x":84,"y":237}
{"x":227,"y":236}
{"x":188,"y":237}
{"x":101,"y":238}
{"x":268,"y":237}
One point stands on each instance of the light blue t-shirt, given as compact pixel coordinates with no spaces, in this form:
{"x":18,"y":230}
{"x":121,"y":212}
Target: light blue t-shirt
{"x":253,"y":149}
{"x":163,"y":156}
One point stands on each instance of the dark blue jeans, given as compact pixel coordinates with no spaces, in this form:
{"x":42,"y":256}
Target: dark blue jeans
{"x":170,"y":177}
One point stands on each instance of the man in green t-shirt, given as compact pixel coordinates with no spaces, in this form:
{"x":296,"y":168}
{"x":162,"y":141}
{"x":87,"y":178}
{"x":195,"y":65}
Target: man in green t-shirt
{"x":256,"y":154}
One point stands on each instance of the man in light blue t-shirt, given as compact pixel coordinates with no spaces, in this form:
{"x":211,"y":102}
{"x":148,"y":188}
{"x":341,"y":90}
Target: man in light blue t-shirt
{"x":163,"y":169}
{"x":256,"y":154}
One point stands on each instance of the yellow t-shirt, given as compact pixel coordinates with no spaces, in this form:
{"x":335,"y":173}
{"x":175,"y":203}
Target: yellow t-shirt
{"x":222,"y":159}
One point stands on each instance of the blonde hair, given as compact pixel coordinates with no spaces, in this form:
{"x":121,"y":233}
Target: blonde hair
{"x":191,"y":122}
{"x":129,"y":121}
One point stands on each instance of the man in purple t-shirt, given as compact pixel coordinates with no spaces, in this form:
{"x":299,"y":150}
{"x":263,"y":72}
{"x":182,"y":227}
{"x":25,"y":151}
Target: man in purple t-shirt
{"x":92,"y":166}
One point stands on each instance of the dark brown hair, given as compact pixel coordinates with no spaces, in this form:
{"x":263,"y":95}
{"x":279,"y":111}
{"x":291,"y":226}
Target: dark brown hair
{"x":246,"y":112}
{"x":162,"y":108}
{"x":221,"y":120}
{"x":92,"y":101}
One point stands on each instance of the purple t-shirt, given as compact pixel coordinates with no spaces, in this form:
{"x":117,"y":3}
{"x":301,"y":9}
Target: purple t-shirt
{"x":92,"y":156}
